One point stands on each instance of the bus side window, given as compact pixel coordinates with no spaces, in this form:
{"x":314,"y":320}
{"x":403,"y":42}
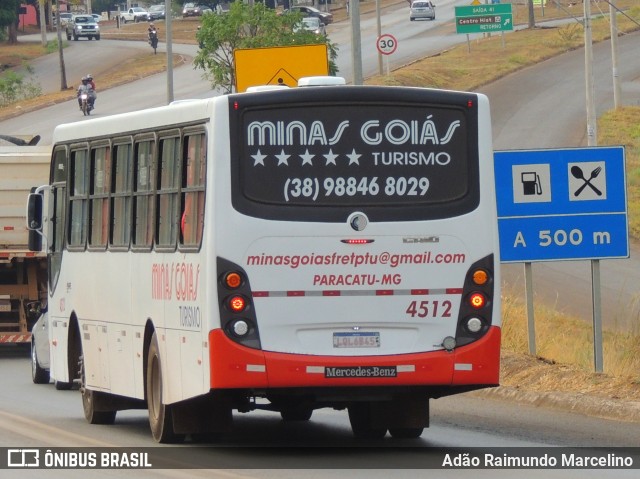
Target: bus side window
{"x":168,"y":189}
{"x":99,"y":197}
{"x":78,"y":198}
{"x":193,"y":179}
{"x":144,"y":189}
{"x":121,"y":196}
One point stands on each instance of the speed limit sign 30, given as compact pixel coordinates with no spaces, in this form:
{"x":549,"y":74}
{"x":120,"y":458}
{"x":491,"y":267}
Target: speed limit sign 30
{"x":387,"y":44}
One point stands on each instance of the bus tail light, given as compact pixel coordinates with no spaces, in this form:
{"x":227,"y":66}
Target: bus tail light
{"x":235,"y":299}
{"x":480,"y":277}
{"x":477,"y":300}
{"x":233,"y":280}
{"x":240,"y":327}
{"x":476,"y":308}
{"x":237,"y":303}
{"x":474,"y":324}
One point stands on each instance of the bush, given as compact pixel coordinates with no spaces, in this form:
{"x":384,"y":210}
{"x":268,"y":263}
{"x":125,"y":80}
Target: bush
{"x":14,"y":87}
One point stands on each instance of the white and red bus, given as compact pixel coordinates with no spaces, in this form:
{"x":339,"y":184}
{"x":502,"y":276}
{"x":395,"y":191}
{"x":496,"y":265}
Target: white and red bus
{"x":284,"y":250}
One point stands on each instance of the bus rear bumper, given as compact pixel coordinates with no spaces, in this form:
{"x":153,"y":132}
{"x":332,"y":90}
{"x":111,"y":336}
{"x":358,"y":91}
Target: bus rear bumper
{"x":235,"y":366}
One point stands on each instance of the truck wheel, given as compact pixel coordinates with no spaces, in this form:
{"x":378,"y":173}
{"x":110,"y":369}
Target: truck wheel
{"x":68,"y":37}
{"x":63,"y":386}
{"x":75,"y":37}
{"x":38,"y":374}
{"x":89,"y":400}
{"x":97,"y":37}
{"x":160,"y":414}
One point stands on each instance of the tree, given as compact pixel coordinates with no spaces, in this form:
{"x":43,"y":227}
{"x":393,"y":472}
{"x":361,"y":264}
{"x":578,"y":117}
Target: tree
{"x":249,"y":26}
{"x":9,"y":19}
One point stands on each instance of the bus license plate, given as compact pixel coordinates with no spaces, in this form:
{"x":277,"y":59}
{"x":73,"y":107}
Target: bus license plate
{"x":356,"y":340}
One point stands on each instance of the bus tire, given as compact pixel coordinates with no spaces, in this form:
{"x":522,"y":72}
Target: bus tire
{"x":360,"y":417}
{"x":160,"y":415}
{"x":89,"y":399}
{"x":296,"y":413}
{"x":39,"y":375}
{"x":406,"y":432}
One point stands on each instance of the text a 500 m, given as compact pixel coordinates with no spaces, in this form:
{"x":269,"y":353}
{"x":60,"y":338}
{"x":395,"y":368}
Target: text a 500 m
{"x":351,"y":186}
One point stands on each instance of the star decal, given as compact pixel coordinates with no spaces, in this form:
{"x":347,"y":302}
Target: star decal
{"x":331,"y":157}
{"x":307,"y":157}
{"x":353,"y":157}
{"x":259,"y":158}
{"x":282,"y":158}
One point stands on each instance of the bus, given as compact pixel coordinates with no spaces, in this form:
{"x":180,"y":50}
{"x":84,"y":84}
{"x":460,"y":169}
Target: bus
{"x":283,"y":250}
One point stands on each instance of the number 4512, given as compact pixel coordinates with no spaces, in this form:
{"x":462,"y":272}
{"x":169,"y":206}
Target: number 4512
{"x":429,"y":309}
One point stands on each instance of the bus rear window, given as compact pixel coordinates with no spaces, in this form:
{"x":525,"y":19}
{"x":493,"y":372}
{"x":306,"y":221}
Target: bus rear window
{"x":354,"y":156}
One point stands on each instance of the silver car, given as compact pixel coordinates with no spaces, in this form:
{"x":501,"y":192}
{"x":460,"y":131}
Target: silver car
{"x":422,"y":9}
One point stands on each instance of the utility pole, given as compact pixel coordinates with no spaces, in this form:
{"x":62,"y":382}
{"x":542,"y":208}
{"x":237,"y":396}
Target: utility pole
{"x":63,"y":74}
{"x":356,"y":43}
{"x":613,"y":15}
{"x":379,"y":27}
{"x":588,"y":70}
{"x":169,"y":40}
{"x":43,"y":23}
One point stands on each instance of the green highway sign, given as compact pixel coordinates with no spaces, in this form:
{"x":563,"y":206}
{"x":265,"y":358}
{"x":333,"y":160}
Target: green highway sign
{"x":496,"y":17}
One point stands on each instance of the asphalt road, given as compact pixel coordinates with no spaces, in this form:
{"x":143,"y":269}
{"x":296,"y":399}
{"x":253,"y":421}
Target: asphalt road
{"x":263,"y":446}
{"x":539,"y":107}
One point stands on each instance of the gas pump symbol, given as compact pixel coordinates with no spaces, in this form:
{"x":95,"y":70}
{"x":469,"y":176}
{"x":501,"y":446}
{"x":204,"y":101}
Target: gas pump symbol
{"x":530,"y":183}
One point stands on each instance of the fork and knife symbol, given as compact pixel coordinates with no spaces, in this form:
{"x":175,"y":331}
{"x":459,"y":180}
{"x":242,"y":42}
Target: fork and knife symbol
{"x":577,"y":172}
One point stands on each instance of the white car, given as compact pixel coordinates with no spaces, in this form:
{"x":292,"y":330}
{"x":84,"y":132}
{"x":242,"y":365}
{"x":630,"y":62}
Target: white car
{"x":311,"y":24}
{"x":422,"y":9}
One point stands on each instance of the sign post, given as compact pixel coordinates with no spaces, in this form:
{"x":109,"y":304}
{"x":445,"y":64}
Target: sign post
{"x":496,"y":17}
{"x":386,"y":45}
{"x":567,"y":204}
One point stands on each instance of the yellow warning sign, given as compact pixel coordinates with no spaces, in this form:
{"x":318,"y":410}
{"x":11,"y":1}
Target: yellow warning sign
{"x":476,"y":2}
{"x":279,"y":65}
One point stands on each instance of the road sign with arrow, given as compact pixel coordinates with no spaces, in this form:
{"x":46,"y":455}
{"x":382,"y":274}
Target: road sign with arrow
{"x":484,"y":18}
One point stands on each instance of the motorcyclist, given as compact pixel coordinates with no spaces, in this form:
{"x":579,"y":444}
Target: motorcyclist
{"x":86,"y":87}
{"x":93,"y":84}
{"x":152,"y":30}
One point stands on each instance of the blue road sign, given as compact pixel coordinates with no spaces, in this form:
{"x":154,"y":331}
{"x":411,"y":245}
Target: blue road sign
{"x":565,"y":204}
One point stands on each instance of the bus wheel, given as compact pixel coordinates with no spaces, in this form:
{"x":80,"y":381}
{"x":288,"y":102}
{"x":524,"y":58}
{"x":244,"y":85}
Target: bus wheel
{"x":89,"y":398}
{"x":406,"y":432}
{"x":296,"y":413}
{"x":160,"y":416}
{"x":360,"y":417}
{"x":38,"y":375}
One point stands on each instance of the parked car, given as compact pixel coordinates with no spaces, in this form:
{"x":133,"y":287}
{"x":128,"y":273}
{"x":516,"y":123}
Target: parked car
{"x":64,"y":18}
{"x":422,"y":9}
{"x":191,"y":10}
{"x":156,"y":12}
{"x":325,"y":17}
{"x":97,"y":17}
{"x":312,"y":24}
{"x":83,"y":26}
{"x":134,"y":14}
{"x":40,"y":351}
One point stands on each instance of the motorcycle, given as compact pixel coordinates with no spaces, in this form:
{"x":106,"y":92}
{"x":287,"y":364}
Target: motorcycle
{"x":85,"y":104}
{"x":153,"y":40}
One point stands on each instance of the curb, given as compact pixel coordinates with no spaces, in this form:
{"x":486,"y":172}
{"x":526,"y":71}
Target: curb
{"x":613,"y":409}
